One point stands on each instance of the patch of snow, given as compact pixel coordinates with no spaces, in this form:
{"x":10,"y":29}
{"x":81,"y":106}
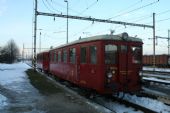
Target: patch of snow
{"x":12,"y":73}
{"x":149,"y":103}
{"x":153,"y":91}
{"x":3,"y":101}
{"x":156,"y":80}
{"x":119,"y":108}
{"x":157,"y":69}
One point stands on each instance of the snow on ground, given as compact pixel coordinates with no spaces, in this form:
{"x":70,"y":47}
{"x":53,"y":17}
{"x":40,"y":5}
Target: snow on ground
{"x":12,"y":72}
{"x":3,"y":101}
{"x":15,"y":73}
{"x":149,"y":103}
{"x":156,"y":69}
{"x":156,"y":80}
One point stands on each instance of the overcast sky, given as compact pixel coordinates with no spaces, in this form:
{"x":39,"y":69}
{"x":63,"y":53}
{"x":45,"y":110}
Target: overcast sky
{"x":16,"y":21}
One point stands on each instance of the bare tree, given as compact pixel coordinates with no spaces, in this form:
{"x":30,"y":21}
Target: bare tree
{"x":9,"y":53}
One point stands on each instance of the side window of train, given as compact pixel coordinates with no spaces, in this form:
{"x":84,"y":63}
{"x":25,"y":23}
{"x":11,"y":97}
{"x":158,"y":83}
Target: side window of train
{"x":72,"y":55}
{"x":110,"y":54}
{"x":59,"y":56}
{"x":93,"y":54}
{"x":137,"y":54}
{"x":65,"y":56}
{"x":83,"y":55}
{"x":51,"y":56}
{"x":55,"y":56}
{"x":123,"y":48}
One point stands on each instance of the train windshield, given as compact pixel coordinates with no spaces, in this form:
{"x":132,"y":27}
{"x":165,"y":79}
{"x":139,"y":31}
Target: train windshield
{"x":110,"y":54}
{"x":137,"y":54}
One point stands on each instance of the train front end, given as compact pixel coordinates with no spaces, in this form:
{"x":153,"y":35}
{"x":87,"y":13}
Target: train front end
{"x":122,"y":63}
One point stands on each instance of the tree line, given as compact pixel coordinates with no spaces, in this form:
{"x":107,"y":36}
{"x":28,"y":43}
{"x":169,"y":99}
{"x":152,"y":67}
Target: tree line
{"x":9,"y":53}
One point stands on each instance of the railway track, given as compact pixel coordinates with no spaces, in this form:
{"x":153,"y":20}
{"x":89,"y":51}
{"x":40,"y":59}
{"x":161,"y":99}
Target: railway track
{"x":163,"y":97}
{"x":156,"y":72}
{"x":103,"y":100}
{"x":158,"y":80}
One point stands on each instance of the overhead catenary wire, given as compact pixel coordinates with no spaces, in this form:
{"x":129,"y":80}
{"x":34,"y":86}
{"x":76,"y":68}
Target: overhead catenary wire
{"x":134,"y":4}
{"x":133,"y":10}
{"x":88,"y":7}
{"x":63,"y":6}
{"x":108,"y":18}
{"x":75,"y":34}
{"x":47,"y":6}
{"x":52,"y":7}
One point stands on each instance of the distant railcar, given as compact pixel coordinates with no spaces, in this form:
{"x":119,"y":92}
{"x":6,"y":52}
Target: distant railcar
{"x":160,"y":60}
{"x":105,"y":63}
{"x":43,"y":61}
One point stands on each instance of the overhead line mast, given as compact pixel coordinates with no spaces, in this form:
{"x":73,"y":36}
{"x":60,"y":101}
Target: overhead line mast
{"x":93,"y":19}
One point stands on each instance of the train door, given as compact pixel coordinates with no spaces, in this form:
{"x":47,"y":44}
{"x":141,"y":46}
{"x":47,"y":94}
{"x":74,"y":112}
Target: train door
{"x":123,"y":67}
{"x":83,"y":65}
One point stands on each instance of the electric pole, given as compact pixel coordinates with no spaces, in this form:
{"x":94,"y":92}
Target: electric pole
{"x":67,"y":20}
{"x":154,"y":41}
{"x":35,"y":35}
{"x":168,"y":42}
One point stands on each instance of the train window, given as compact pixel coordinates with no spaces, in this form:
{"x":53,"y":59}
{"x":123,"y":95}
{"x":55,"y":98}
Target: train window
{"x":110,"y":54}
{"x":65,"y":56}
{"x":72,"y":55}
{"x":59,"y":56}
{"x":137,"y":54}
{"x":83,"y":54}
{"x":55,"y":57}
{"x":51,"y":56}
{"x":123,"y":48}
{"x":93,"y":54}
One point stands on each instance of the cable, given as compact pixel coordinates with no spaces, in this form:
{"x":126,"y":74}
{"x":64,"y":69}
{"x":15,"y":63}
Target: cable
{"x":47,"y":6}
{"x":163,"y":20}
{"x":52,"y":7}
{"x":164,"y":12}
{"x":135,"y":9}
{"x":129,"y":6}
{"x":63,"y":6}
{"x":88,"y":7}
{"x":83,"y":29}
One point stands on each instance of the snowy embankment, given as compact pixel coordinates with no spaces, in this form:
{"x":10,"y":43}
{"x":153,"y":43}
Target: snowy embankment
{"x":10,"y":73}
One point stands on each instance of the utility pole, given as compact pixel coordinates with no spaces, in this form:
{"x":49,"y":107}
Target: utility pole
{"x":168,"y":42}
{"x":23,"y":53}
{"x":67,"y":20}
{"x":40,"y":43}
{"x":35,"y":35}
{"x":154,"y":41}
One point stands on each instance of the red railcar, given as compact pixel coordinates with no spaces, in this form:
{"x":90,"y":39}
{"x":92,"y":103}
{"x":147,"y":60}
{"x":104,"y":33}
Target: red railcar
{"x":105,"y":63}
{"x":43,"y":61}
{"x":160,"y":60}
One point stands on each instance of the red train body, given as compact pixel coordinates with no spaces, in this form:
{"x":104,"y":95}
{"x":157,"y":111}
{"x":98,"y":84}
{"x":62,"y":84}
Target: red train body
{"x":105,"y":63}
{"x":160,"y":60}
{"x":43,"y":61}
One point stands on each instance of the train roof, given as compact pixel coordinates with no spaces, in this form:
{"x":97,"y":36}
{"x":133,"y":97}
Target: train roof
{"x":120,"y":37}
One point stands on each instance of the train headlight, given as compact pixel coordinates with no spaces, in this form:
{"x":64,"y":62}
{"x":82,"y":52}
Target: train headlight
{"x":113,"y":72}
{"x":109,"y":75}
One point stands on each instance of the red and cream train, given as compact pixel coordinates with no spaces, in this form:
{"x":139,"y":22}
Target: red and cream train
{"x":105,"y":63}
